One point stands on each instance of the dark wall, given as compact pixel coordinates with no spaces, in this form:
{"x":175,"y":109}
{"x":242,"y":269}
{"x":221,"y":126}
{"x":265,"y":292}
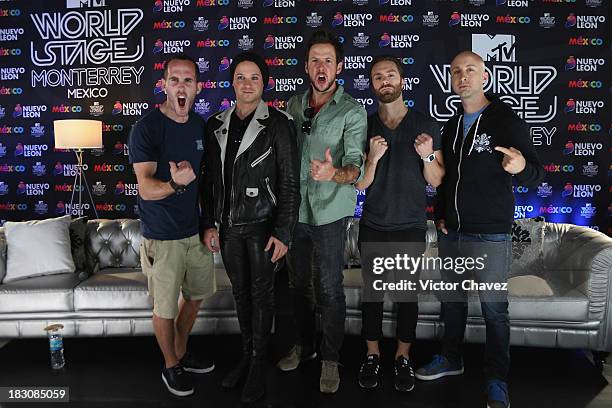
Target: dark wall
{"x":103,"y":60}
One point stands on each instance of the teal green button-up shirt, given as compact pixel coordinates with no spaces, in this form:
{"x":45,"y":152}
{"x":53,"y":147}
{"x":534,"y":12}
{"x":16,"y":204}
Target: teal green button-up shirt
{"x":341,"y":125}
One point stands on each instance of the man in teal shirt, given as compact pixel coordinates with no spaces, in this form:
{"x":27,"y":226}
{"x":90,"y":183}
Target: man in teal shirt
{"x":332,"y":128}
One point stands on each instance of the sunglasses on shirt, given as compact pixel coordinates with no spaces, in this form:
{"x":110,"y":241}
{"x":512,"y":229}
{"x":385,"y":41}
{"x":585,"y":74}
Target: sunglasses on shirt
{"x":308,"y":114}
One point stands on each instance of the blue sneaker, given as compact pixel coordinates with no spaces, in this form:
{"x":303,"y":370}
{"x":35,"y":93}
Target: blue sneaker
{"x":438,"y":368}
{"x":497,"y":394}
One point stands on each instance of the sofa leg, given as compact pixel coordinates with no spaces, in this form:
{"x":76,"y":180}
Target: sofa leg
{"x":599,"y":358}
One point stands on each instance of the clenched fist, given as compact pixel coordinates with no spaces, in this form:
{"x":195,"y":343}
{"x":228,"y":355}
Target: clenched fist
{"x":181,"y":172}
{"x":378,"y":147}
{"x":423,"y":145}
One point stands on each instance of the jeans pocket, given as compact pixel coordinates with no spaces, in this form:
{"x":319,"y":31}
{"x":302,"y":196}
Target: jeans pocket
{"x":494,"y":237}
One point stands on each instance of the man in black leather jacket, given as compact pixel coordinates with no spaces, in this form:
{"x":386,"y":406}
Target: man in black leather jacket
{"x":250,"y":187}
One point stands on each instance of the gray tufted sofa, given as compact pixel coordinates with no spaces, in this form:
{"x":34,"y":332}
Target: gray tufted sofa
{"x":568,"y":306}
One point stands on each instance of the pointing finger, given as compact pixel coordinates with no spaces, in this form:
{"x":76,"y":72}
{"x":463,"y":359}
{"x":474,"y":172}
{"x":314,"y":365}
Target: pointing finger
{"x":504,"y":150}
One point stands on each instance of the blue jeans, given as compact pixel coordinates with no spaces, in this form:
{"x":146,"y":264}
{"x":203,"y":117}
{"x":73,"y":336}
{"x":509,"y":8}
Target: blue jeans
{"x":316,"y":261}
{"x":498,"y":248}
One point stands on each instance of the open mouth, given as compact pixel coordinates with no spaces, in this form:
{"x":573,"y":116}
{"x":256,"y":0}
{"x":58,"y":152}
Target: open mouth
{"x":321,"y":79}
{"x":182,"y":101}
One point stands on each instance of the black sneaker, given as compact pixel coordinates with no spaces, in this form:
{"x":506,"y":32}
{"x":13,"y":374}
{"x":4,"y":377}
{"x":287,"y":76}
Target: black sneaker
{"x":404,"y":375}
{"x":177,"y":380}
{"x":193,"y":365}
{"x":368,"y":373}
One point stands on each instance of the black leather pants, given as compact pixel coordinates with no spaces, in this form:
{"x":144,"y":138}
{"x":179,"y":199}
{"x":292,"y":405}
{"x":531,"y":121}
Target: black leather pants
{"x":251,"y":273}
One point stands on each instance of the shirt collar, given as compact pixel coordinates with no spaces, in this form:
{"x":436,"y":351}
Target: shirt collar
{"x":336,"y":98}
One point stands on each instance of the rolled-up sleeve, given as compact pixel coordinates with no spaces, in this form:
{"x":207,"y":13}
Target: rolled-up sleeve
{"x":355,"y":131}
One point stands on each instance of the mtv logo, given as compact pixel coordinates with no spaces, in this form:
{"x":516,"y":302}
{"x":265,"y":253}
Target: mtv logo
{"x":498,"y":48}
{"x":85,"y":3}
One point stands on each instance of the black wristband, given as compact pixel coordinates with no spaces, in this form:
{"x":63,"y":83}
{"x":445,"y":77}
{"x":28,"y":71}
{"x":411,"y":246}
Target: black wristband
{"x":178,"y":188}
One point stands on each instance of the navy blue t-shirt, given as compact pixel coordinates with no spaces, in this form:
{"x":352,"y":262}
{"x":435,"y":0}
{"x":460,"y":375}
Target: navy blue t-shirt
{"x":157,"y":138}
{"x":396,"y":198}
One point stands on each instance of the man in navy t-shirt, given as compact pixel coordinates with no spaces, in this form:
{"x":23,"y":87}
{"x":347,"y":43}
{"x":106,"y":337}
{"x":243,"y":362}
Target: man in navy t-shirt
{"x":166,"y":148}
{"x":403,"y":156}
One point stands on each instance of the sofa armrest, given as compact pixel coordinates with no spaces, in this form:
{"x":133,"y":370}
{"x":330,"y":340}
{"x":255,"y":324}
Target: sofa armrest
{"x":2,"y":255}
{"x":569,"y":251}
{"x":582,"y":258}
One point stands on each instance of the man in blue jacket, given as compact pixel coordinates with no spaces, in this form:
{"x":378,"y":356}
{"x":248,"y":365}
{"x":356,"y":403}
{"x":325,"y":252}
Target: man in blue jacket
{"x":485,"y":146}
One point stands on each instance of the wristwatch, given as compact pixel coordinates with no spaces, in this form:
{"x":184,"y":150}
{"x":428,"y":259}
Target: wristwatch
{"x":178,"y":188}
{"x":429,"y":158}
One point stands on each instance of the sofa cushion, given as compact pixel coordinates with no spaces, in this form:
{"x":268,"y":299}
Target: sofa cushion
{"x":562,"y":303}
{"x":78,"y":232}
{"x":528,"y":246}
{"x":40,"y":294}
{"x":126,"y":289}
{"x":529,"y":286}
{"x":113,"y":289}
{"x":114,"y":243}
{"x":36,"y":248}
{"x":223,"y":299}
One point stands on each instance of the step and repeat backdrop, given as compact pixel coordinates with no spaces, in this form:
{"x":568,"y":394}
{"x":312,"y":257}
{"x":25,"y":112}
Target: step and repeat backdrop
{"x":103,"y":59}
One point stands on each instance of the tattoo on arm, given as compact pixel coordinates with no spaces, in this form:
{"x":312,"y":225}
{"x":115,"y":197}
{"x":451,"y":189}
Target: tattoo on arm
{"x":346,"y":175}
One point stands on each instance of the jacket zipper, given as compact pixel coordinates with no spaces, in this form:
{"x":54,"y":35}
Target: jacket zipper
{"x":232,"y":185}
{"x":270,"y":191}
{"x":459,"y":178}
{"x":262,"y":157}
{"x":232,"y":192}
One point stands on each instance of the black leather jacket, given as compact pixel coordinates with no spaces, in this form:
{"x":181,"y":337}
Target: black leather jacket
{"x":265,"y":181}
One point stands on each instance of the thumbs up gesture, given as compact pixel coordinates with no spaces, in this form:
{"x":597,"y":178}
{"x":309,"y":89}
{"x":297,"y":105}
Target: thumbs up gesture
{"x":323,"y":170}
{"x":513,"y":161}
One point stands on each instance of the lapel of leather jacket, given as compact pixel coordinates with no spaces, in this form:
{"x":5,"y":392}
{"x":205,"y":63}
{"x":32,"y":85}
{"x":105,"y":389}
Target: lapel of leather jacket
{"x":254,"y":128}
{"x":222,"y":132}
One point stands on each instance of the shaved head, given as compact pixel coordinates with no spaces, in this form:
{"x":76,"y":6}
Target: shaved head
{"x":468,"y":78}
{"x":477,"y":58}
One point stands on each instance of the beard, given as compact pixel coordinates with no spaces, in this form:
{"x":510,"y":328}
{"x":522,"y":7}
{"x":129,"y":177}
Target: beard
{"x":390,"y":97}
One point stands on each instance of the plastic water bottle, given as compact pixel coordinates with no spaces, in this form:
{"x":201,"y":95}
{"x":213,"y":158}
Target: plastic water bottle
{"x":56,"y":345}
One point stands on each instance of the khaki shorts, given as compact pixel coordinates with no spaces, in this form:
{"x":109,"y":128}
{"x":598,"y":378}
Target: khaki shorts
{"x":184,"y":265}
